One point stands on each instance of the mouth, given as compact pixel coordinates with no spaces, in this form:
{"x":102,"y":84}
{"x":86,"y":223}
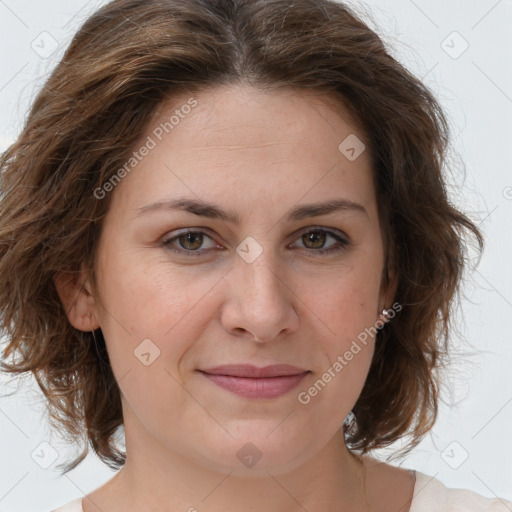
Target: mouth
{"x":250,"y":371}
{"x":252,"y":382}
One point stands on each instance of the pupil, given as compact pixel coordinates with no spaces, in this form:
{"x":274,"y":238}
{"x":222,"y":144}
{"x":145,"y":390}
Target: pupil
{"x":187,"y":240}
{"x":316,"y":237}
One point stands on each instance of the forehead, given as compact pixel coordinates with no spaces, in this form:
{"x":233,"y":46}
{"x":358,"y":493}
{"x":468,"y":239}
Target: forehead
{"x":254,"y":116}
{"x":240,"y":142}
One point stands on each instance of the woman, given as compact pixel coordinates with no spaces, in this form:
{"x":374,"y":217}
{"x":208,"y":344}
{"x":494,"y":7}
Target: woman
{"x":225,"y":230}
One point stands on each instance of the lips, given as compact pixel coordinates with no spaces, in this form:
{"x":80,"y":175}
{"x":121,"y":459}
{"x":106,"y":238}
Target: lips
{"x":257,"y":383}
{"x":250,"y":371}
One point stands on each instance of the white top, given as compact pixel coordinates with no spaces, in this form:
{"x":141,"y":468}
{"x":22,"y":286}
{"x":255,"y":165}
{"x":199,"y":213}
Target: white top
{"x":429,"y":495}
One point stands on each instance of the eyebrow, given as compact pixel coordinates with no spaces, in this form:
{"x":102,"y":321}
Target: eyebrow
{"x":212,"y":211}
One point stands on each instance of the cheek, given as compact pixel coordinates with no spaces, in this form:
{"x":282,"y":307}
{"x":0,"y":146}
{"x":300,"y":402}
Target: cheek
{"x":149,"y":322}
{"x":143,"y":292}
{"x":347,"y":301}
{"x":345,"y":308}
{"x":148,"y":299}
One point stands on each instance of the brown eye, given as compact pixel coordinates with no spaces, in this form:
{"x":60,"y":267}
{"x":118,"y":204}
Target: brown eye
{"x":193,"y":243}
{"x":190,"y":241}
{"x":314,"y":239}
{"x":321,"y":241}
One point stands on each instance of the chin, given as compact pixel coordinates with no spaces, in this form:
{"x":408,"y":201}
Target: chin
{"x":257,"y":448}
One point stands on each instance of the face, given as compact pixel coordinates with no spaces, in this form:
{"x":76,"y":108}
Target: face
{"x":261,"y":278}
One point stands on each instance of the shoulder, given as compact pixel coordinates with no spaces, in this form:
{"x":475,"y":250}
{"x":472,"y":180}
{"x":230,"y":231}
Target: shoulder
{"x":72,"y":506}
{"x":431,"y":494}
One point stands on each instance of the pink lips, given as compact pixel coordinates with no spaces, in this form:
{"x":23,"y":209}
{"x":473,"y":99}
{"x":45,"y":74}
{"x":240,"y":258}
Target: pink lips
{"x":252,"y":382}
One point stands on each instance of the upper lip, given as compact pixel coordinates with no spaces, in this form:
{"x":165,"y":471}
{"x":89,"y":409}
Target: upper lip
{"x":247,"y":370}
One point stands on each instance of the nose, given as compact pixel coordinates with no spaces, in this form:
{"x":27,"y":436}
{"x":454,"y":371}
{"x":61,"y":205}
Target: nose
{"x":261,"y":304}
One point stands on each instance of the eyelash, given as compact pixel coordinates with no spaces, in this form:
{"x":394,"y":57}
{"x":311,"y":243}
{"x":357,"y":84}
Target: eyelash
{"x":342,"y":242}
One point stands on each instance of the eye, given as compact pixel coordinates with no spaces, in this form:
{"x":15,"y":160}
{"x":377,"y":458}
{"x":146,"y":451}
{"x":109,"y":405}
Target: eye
{"x":189,"y":242}
{"x":315,"y":240}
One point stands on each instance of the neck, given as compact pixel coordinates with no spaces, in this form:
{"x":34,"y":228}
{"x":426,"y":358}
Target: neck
{"x":156,"y":478}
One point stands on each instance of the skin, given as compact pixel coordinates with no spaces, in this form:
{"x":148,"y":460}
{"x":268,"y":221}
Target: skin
{"x":258,"y":154}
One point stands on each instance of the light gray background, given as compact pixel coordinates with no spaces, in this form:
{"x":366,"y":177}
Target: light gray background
{"x":470,"y":446}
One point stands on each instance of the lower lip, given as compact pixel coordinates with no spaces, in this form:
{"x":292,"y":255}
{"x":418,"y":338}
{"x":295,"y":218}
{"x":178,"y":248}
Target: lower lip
{"x":267,"y":387}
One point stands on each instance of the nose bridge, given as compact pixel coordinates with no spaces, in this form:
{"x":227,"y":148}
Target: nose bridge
{"x":262,"y":279}
{"x":263,"y":305}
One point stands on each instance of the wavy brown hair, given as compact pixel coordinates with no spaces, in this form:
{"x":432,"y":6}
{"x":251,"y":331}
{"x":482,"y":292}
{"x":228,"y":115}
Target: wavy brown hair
{"x":128,"y":58}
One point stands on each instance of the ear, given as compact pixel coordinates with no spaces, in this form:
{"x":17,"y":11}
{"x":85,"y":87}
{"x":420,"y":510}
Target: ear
{"x":389,"y":285}
{"x":388,"y":289}
{"x":75,"y":294}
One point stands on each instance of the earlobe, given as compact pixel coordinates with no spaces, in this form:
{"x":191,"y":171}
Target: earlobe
{"x":77,"y":300}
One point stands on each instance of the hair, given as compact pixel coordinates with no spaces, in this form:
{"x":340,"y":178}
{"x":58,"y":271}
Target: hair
{"x":127,"y":59}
